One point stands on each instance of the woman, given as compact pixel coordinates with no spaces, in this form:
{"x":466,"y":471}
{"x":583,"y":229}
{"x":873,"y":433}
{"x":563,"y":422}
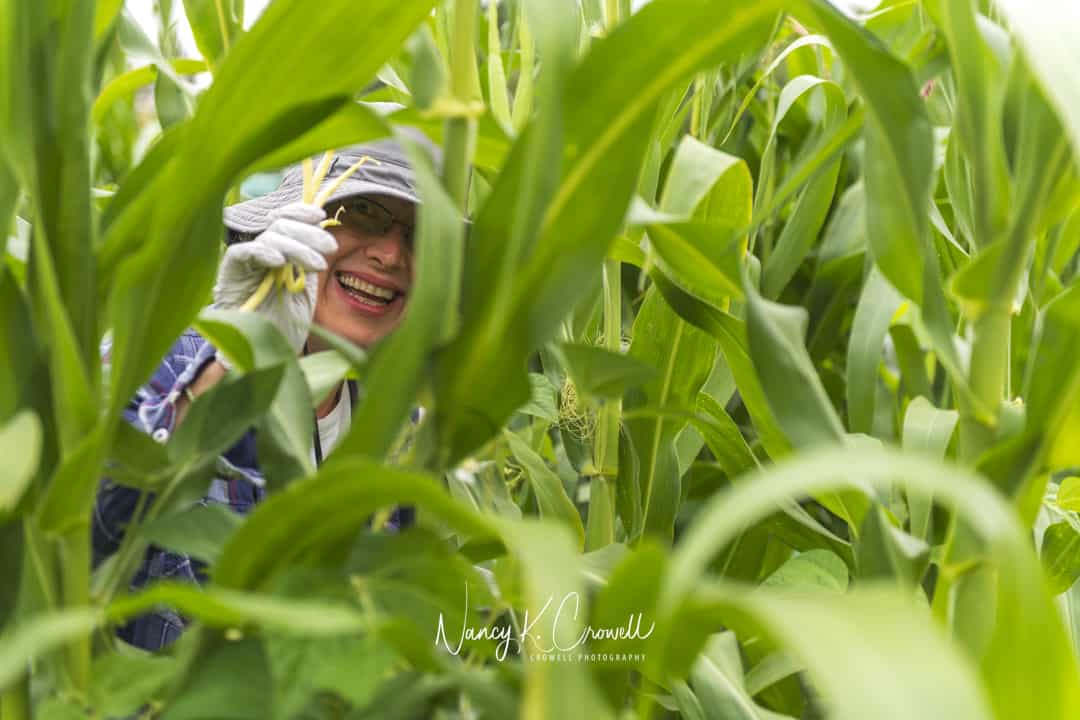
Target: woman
{"x":358,"y":273}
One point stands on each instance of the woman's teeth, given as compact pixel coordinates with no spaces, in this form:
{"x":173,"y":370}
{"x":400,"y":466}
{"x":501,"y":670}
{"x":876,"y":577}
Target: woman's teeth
{"x":366,"y":291}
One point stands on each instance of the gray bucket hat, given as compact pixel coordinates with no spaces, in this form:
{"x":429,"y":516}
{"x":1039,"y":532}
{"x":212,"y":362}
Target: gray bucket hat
{"x":387,"y":173}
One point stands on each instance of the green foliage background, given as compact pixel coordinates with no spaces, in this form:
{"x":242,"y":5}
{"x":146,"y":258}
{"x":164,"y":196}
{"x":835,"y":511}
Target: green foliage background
{"x":765,"y":327}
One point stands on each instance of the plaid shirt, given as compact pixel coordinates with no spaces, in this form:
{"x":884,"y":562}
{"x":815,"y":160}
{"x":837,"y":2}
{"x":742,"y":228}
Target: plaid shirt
{"x":238,"y":484}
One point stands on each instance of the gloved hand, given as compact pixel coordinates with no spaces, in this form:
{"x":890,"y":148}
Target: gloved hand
{"x":294,"y":236}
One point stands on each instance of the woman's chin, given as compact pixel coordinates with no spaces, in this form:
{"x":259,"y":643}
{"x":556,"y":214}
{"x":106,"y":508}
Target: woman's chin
{"x":365,"y":333}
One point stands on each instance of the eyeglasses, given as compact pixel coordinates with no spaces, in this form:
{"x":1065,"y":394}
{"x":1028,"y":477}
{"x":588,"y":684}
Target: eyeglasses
{"x":369,"y":217}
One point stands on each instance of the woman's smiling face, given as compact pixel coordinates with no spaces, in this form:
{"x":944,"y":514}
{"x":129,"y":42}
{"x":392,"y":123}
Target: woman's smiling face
{"x":363,"y":292}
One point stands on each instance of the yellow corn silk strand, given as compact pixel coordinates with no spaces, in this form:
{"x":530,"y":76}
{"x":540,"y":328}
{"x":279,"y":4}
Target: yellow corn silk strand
{"x":289,"y":276}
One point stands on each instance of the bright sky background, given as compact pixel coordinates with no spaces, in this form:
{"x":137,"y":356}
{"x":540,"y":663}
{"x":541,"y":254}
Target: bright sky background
{"x":143,"y":10}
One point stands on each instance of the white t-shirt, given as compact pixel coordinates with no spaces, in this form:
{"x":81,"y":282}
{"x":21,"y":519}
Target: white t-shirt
{"x":335,"y":424}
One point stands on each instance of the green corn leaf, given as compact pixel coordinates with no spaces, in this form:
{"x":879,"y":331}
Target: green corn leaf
{"x":105,"y":15}
{"x":224,"y":608}
{"x":1070,"y":602}
{"x":629,"y":594}
{"x":701,"y":259}
{"x":171,"y":103}
{"x":1060,"y":554}
{"x":684,"y":355}
{"x":828,"y":148}
{"x":898,"y":150}
{"x":877,"y":307}
{"x":124,"y":682}
{"x":601,"y":372}
{"x":323,"y":513}
{"x":71,"y":489}
{"x":810,"y":627}
{"x":811,"y":570}
{"x":706,"y":182}
{"x":627,"y":252}
{"x":720,"y":685}
{"x":725,"y":440}
{"x":974,"y":285}
{"x":731,"y":335}
{"x":788,"y":377}
{"x":547,"y":486}
{"x":412,"y":695}
{"x":207,"y":688}
{"x":12,"y":545}
{"x":1047,"y":35}
{"x":492,"y":141}
{"x":139,"y":45}
{"x":200,"y":531}
{"x":834,"y":283}
{"x":684,"y":700}
{"x":1044,"y":170}
{"x":354,"y":123}
{"x":912,"y":360}
{"x":506,"y":229}
{"x":216,"y":25}
{"x":885,"y":551}
{"x":358,"y":359}
{"x":9,"y":198}
{"x":304,"y":669}
{"x":1070,"y":241}
{"x":74,"y":408}
{"x":607,"y":112}
{"x":800,"y":42}
{"x":429,"y":70}
{"x":523,"y":93}
{"x":1053,"y":383}
{"x":46,"y":114}
{"x":1068,"y":494}
{"x":133,"y":202}
{"x":324,"y":371}
{"x":550,"y":573}
{"x":420,"y":581}
{"x":1020,"y":596}
{"x":543,"y":401}
{"x":125,"y":85}
{"x":979,"y":79}
{"x":927,"y":431}
{"x":772,"y":669}
{"x":20,"y":441}
{"x":718,"y":431}
{"x":253,"y":343}
{"x":43,"y":119}
{"x":703,"y":256}
{"x":812,"y":206}
{"x":499,"y":100}
{"x":793,"y":101}
{"x":40,"y":634}
{"x":217,"y":419}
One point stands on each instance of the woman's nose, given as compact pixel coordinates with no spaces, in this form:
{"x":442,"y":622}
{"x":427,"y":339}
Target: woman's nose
{"x":389,"y":249}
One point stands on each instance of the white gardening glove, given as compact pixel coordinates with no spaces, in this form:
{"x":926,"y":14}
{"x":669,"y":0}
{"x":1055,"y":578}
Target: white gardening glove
{"x":294,"y":236}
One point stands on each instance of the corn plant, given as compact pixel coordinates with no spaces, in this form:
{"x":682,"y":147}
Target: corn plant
{"x":749,"y":386}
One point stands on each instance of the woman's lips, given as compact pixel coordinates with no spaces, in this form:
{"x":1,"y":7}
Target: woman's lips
{"x":376,"y":280}
{"x":370,"y":309}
